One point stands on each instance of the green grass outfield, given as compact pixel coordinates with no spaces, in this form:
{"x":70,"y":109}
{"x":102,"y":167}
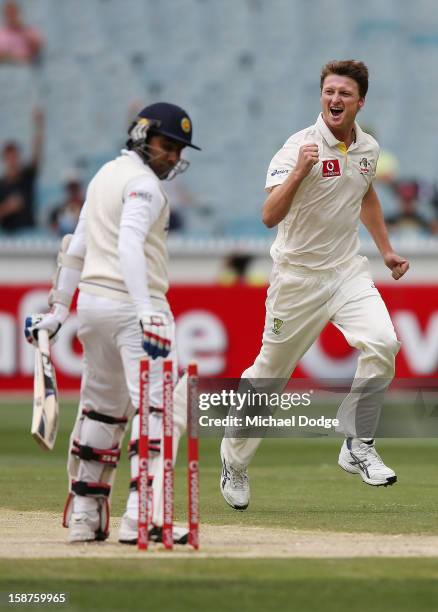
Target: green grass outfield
{"x":222,"y":585}
{"x":294,"y":484}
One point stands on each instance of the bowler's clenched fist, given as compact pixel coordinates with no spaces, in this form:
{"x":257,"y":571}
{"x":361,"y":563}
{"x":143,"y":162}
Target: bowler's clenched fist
{"x":308,"y":156}
{"x":398,"y":265}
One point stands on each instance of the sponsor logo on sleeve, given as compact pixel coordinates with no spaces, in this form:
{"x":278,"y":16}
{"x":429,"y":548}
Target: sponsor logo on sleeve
{"x":279,"y":172}
{"x":330,"y":167}
{"x":142,"y":195}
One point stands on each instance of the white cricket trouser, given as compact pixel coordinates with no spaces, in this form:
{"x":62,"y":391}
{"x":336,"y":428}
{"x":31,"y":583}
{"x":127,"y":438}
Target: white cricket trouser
{"x":303,"y":302}
{"x":111,"y":337}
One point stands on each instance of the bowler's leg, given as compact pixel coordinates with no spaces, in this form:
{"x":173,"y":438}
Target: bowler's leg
{"x":366,"y":325}
{"x":296,"y":314}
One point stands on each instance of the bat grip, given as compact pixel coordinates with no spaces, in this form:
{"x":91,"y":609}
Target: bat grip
{"x":43,"y":341}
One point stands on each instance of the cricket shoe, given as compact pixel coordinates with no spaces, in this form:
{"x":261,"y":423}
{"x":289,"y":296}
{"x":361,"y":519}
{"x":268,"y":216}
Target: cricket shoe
{"x":358,"y":457}
{"x":86,"y":519}
{"x":85,"y":527}
{"x":234,"y":485}
{"x":128,"y":532}
{"x":180,"y":534}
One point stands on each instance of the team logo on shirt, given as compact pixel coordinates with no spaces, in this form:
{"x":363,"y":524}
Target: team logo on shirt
{"x":364,"y":166}
{"x":330,"y":167}
{"x":277,"y":326}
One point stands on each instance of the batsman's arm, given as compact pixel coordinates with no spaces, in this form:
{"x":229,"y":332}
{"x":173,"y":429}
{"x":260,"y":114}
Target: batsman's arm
{"x":371,"y":216}
{"x":142,"y":206}
{"x":70,"y":262}
{"x":64,"y":284}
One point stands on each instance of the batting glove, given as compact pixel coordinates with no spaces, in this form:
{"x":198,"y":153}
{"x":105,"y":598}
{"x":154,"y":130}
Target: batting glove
{"x":35,"y":322}
{"x":156,"y":334}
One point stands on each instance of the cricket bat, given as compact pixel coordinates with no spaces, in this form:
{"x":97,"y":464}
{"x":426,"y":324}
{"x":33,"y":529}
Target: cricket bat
{"x":45,"y":395}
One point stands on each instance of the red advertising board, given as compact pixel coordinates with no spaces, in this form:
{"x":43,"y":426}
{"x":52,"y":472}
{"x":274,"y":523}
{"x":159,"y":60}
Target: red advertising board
{"x":221,"y":328}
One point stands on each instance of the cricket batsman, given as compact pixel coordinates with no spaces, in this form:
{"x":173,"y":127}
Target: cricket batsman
{"x":118,"y":257}
{"x":320,"y":186}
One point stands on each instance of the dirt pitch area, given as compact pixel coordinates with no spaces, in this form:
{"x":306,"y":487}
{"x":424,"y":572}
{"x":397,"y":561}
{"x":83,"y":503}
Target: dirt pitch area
{"x":39,"y":535}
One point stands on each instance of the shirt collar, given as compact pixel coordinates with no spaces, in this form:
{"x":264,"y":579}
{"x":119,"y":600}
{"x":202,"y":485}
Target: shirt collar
{"x":135,"y":156}
{"x":331,"y":139}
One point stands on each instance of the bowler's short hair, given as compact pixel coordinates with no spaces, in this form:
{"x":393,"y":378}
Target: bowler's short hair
{"x":350,"y":68}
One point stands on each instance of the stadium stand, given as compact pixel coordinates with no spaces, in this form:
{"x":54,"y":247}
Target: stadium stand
{"x":248,"y":72}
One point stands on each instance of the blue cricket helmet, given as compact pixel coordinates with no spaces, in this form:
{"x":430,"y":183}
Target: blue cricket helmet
{"x":170,"y":120}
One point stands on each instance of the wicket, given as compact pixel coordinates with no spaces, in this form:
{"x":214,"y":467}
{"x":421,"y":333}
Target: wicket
{"x":144,"y":490}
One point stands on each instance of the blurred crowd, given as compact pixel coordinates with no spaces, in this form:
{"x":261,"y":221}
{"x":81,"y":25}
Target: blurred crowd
{"x":18,"y":181}
{"x":410,"y":206}
{"x":19,"y":42}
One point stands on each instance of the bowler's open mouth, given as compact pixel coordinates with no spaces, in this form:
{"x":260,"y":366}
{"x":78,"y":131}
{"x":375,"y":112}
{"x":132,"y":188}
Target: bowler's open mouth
{"x":336,"y":111}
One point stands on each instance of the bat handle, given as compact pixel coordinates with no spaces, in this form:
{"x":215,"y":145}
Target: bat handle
{"x":43,"y":341}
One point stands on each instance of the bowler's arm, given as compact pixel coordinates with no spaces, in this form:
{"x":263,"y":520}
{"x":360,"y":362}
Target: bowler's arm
{"x":280,"y":198}
{"x":372,"y":217}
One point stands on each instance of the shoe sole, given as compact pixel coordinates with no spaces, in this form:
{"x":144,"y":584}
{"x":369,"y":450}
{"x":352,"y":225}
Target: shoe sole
{"x":130,"y":542}
{"x":238,"y":508}
{"x":99,"y":536}
{"x":389,"y":481}
{"x":84,"y":541}
{"x":155,"y":539}
{"x":181,"y":542}
{"x":90,"y":539}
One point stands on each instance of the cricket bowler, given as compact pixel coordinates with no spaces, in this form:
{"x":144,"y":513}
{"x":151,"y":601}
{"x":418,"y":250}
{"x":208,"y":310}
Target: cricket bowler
{"x":320,"y":186}
{"x":118,"y":257}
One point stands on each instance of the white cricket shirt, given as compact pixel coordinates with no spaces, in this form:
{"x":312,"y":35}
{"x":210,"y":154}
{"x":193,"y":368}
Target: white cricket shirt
{"x":321,"y":229}
{"x":125,"y":223}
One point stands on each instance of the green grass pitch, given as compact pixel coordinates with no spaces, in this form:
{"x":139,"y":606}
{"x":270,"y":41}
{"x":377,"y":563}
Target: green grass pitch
{"x":295,"y":484}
